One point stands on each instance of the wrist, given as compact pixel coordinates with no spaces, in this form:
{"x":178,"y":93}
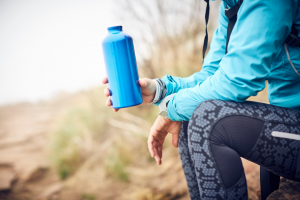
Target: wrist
{"x":157,"y":91}
{"x":163,"y":106}
{"x":160,"y":90}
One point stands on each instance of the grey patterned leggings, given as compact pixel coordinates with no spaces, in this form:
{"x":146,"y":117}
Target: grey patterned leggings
{"x":220,"y":132}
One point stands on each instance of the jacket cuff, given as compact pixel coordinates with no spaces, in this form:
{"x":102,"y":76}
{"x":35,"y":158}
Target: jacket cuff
{"x":161,"y":91}
{"x":172,"y":111}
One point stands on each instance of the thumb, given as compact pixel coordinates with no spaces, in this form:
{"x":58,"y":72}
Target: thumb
{"x":143,"y":82}
{"x":175,"y":138}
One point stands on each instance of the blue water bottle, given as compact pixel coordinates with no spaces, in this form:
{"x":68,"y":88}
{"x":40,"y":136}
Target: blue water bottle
{"x":121,"y":68}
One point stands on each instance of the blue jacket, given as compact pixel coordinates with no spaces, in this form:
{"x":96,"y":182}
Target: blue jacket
{"x":256,"y":53}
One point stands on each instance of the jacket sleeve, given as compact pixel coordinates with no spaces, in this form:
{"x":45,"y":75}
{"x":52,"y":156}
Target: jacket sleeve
{"x":211,"y":61}
{"x":258,"y":35}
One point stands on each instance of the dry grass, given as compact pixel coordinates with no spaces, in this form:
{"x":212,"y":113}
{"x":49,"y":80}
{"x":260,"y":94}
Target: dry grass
{"x":106,"y":156}
{"x":74,"y":138}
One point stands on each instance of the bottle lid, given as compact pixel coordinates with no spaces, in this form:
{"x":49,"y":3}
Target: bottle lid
{"x":115,"y":28}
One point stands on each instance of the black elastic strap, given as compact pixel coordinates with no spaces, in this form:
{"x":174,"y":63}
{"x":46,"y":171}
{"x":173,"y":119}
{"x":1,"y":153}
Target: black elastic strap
{"x":206,"y":35}
{"x":231,"y":14}
{"x":297,"y":175}
{"x":293,"y":39}
{"x":230,"y":26}
{"x":269,"y":182}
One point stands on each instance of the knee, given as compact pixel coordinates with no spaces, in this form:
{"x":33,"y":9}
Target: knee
{"x":203,"y":109}
{"x":206,"y":115}
{"x":206,"y":112}
{"x":202,"y":119}
{"x":213,"y":109}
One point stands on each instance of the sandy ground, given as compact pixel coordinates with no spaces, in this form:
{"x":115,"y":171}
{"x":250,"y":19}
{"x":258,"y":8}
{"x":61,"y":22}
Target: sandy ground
{"x":24,"y":171}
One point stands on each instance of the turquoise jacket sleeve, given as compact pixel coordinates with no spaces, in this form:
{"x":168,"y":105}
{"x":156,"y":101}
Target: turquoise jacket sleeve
{"x":211,"y":61}
{"x":258,"y":35}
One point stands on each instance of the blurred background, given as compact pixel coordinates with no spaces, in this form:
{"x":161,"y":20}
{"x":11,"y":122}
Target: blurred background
{"x":58,"y":140}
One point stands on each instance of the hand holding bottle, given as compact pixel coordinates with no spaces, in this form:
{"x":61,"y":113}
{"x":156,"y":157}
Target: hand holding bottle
{"x":148,"y":89}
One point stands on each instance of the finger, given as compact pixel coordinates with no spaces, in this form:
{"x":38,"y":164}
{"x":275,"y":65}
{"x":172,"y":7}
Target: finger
{"x":150,"y":146}
{"x":156,"y":153}
{"x":153,"y":133}
{"x":143,"y":82}
{"x":155,"y":149}
{"x":158,"y":160}
{"x":108,"y":102}
{"x":105,"y":80}
{"x":175,"y":138}
{"x":106,"y":92}
{"x":160,"y":146}
{"x":116,"y":109}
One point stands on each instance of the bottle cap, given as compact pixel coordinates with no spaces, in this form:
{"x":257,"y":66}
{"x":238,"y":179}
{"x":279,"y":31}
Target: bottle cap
{"x":114,"y":28}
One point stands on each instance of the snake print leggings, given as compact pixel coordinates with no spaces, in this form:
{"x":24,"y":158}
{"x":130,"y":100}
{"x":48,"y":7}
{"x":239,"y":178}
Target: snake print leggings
{"x":220,"y":132}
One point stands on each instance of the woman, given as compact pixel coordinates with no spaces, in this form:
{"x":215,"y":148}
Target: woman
{"x":207,"y":115}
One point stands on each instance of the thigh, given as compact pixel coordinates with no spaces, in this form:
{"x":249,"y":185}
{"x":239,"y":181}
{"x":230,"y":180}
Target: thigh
{"x":278,"y":155}
{"x":248,"y":135}
{"x":254,"y":143}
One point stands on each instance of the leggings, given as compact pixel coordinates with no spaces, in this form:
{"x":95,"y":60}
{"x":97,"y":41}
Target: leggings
{"x":220,"y":132}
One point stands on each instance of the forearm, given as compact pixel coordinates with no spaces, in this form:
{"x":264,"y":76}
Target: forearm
{"x":211,"y":62}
